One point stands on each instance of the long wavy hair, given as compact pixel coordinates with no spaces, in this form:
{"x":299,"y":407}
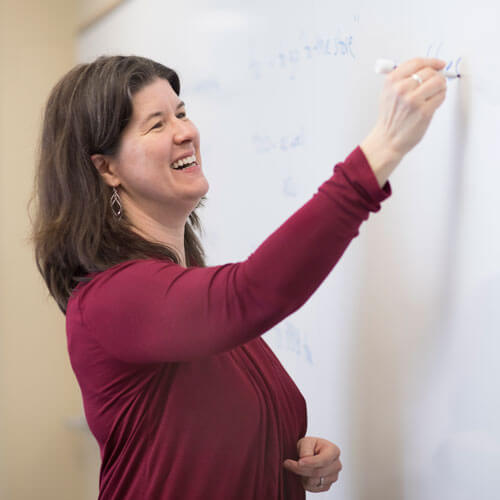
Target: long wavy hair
{"x":74,"y":231}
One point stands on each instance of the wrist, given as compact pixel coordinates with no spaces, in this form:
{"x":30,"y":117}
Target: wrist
{"x":381,"y":157}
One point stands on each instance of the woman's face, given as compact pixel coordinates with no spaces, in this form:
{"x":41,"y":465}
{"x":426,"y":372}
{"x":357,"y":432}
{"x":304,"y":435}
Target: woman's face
{"x":158,"y":134}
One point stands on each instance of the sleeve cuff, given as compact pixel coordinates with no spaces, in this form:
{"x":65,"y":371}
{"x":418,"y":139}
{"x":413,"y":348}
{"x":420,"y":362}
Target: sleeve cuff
{"x":363,"y":177}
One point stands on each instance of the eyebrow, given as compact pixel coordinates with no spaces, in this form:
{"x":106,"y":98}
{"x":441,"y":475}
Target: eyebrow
{"x":160,"y":113}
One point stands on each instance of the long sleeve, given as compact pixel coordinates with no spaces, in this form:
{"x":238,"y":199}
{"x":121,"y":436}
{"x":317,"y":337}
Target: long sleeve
{"x":144,"y":311}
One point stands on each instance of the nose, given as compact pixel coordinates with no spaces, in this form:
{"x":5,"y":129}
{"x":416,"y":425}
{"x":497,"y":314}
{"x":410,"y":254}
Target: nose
{"x":184,"y":131}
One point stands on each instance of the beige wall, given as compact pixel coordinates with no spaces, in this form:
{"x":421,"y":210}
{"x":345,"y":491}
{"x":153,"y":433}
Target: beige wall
{"x":40,"y":457}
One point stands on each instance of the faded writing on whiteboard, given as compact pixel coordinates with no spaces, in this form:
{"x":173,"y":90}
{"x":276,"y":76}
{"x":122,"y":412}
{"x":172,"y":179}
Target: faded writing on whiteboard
{"x":267,"y":144}
{"x":290,"y":58}
{"x":287,"y":337}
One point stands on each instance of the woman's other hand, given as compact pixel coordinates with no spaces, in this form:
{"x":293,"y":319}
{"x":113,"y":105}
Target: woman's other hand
{"x":406,"y":110}
{"x":318,"y":458}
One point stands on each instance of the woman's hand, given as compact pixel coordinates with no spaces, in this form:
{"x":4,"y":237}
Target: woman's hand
{"x":406,"y":110}
{"x":318,"y":458}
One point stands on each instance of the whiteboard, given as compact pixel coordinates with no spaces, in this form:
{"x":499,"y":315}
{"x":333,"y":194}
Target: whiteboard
{"x":397,"y":352}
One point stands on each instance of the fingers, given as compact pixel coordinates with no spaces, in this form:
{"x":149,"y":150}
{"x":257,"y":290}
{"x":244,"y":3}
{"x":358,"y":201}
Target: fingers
{"x":433,"y":83}
{"x":306,"y":446}
{"x":321,"y":459}
{"x":316,"y":451}
{"x":308,"y":471}
{"x":427,"y":69}
{"x":320,"y":471}
{"x":430,"y":94}
{"x":315,"y":486}
{"x":311,"y":476}
{"x":407,"y":68}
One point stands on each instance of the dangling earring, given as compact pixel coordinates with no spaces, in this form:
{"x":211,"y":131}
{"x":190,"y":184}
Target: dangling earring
{"x":116,"y":204}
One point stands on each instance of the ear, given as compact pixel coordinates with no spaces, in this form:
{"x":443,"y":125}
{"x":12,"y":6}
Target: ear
{"x":106,"y":169}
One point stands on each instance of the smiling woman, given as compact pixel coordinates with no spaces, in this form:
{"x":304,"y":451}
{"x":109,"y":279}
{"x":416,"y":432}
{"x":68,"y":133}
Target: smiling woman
{"x":158,"y":194}
{"x":90,"y":118}
{"x":184,"y":397}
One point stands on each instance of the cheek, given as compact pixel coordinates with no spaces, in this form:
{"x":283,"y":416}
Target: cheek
{"x":133,"y":164}
{"x":141,"y":157}
{"x":131,"y":155}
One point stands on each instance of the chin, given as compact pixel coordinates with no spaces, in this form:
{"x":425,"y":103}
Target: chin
{"x":198,"y":195}
{"x":204,"y":186}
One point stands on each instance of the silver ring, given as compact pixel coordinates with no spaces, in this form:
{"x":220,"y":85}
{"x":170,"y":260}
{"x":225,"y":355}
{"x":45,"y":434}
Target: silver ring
{"x":321,"y":481}
{"x":417,"y":78}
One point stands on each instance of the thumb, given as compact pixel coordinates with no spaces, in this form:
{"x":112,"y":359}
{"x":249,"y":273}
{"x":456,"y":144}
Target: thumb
{"x":306,"y":446}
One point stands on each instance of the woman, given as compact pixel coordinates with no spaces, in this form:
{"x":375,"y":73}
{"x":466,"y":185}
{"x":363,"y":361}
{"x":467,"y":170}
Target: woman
{"x":183,"y":396}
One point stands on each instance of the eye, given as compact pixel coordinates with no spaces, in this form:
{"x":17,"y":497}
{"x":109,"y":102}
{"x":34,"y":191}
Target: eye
{"x":156,"y":125}
{"x":181,"y":115}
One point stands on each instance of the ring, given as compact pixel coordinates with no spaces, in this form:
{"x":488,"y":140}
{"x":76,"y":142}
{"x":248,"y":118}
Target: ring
{"x":417,"y":78}
{"x":321,"y":480}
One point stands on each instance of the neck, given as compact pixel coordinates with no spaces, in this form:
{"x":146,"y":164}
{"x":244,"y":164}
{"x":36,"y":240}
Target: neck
{"x":168,"y":232}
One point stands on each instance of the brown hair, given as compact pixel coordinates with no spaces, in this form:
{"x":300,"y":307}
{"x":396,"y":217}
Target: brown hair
{"x":74,"y":230}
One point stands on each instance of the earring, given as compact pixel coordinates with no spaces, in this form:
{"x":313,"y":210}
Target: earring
{"x":116,"y":204}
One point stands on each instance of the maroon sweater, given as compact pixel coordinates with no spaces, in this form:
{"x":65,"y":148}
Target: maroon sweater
{"x":184,"y":397}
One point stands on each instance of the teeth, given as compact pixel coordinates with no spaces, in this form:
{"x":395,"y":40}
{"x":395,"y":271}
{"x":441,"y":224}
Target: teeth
{"x":184,"y":161}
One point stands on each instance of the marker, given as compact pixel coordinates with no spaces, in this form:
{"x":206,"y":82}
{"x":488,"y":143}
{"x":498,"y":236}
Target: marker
{"x":386,"y":66}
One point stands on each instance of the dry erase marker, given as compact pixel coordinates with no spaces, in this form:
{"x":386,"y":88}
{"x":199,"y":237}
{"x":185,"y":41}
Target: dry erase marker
{"x":386,"y":66}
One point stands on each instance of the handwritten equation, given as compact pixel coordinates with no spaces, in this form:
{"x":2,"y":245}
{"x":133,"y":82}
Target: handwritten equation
{"x":291,"y":58}
{"x":267,"y":144}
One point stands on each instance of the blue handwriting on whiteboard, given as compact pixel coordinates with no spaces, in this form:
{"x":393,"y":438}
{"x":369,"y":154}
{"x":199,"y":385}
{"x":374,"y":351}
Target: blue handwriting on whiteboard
{"x":452,"y":63}
{"x":289,"y":59}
